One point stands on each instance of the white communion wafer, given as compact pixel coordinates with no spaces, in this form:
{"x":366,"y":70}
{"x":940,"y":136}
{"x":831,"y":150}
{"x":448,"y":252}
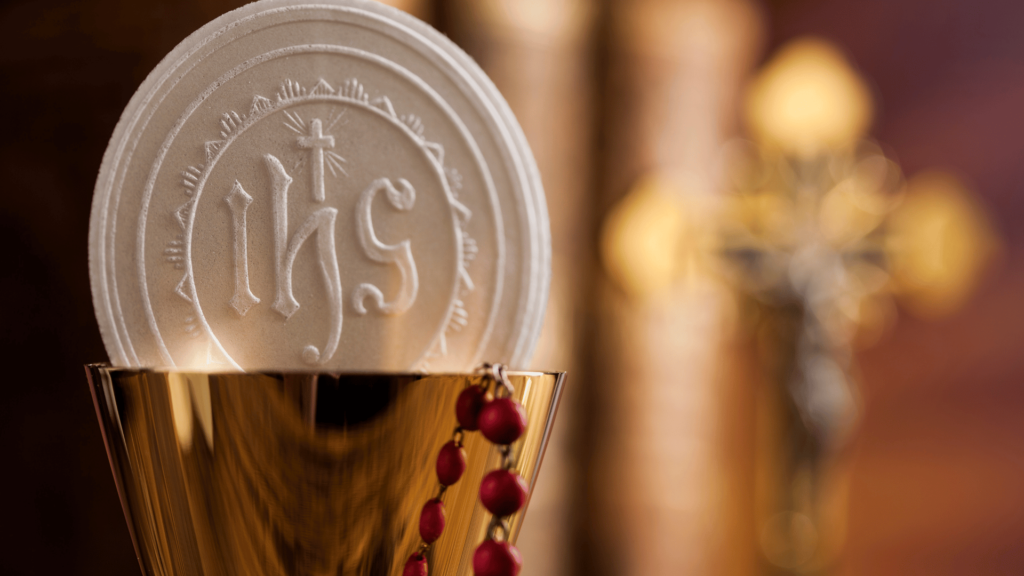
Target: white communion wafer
{"x":318,"y":186}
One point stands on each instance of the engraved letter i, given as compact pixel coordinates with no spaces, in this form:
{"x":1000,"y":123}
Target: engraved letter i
{"x":239,"y":202}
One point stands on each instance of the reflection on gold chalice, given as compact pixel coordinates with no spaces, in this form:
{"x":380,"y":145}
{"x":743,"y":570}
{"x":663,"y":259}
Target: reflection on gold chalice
{"x":300,"y":474}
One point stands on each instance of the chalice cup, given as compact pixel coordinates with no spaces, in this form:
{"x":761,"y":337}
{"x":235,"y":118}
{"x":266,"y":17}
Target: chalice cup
{"x":275,"y":474}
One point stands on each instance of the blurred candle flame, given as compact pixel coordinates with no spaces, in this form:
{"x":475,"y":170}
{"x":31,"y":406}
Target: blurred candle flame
{"x":808,"y":98}
{"x":660,"y":234}
{"x":640,"y":240}
{"x":940,"y":242}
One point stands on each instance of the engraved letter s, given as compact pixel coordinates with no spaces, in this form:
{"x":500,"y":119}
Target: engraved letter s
{"x":400,"y":254}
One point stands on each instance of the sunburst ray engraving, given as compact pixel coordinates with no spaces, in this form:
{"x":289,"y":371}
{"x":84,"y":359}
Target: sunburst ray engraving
{"x":353,"y":90}
{"x":212,"y":148}
{"x":290,"y":90}
{"x":334,"y":162}
{"x":260,"y":105}
{"x":189,"y":178}
{"x":436,"y":149}
{"x":179,"y":289}
{"x":175,"y":252}
{"x":229,"y":123}
{"x":460,"y":318}
{"x":182,"y":214}
{"x":384,"y":103}
{"x":322,"y":88}
{"x":295,"y":122}
{"x":414,"y":123}
{"x":333,"y":119}
{"x":192,"y":327}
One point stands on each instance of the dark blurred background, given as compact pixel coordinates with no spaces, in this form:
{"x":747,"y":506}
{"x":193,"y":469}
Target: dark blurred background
{"x":935,"y":468}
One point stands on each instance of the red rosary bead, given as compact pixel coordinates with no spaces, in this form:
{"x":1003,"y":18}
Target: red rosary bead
{"x":503,"y":492}
{"x":502,"y":420}
{"x":468,"y":406}
{"x":416,"y":565}
{"x":432,"y":520}
{"x":496,"y":559}
{"x":451,"y":463}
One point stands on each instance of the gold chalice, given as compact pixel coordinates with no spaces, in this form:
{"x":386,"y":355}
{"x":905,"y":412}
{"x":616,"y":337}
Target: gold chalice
{"x":268,"y":474}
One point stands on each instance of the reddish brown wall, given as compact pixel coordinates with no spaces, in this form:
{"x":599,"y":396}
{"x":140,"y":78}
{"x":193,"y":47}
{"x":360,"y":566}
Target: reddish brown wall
{"x":938,"y":483}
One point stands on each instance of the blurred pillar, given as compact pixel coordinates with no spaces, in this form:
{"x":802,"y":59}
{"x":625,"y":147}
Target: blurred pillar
{"x":539,"y":54}
{"x":422,"y":9}
{"x":660,"y":503}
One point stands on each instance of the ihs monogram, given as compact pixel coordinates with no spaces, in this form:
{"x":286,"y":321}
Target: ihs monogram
{"x":317,"y":144}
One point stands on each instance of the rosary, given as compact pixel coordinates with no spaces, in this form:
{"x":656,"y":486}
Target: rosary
{"x":503,"y":492}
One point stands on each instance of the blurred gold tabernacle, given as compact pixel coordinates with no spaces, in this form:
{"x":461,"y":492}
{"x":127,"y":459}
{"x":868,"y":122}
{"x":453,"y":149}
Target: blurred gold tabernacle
{"x":300,"y":474}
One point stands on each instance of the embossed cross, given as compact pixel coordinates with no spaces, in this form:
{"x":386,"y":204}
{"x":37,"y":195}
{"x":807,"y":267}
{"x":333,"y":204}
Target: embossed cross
{"x":317,"y":142}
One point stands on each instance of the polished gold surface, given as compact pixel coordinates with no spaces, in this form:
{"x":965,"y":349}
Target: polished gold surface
{"x":299,"y":474}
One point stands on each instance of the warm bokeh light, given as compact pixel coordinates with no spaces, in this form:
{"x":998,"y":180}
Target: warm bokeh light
{"x":640,"y":242}
{"x":808,"y":98}
{"x":940,"y":243}
{"x":767,"y":215}
{"x":859,"y":203}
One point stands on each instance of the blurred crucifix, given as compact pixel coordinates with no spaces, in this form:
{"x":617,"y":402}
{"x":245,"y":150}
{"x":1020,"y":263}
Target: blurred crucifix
{"x":818,"y":234}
